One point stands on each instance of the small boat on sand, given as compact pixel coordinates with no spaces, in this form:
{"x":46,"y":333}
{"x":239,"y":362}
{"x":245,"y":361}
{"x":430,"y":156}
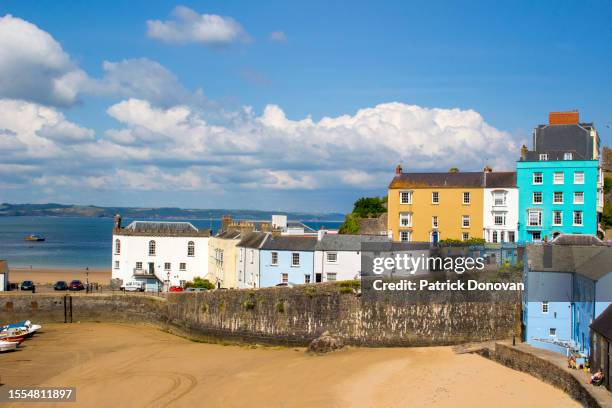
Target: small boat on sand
{"x":8,"y":345}
{"x":24,"y":326}
{"x":34,"y":238}
{"x":13,"y":335}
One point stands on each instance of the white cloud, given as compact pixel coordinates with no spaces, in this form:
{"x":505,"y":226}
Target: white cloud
{"x":278,"y":36}
{"x":33,"y":66}
{"x":187,"y":26}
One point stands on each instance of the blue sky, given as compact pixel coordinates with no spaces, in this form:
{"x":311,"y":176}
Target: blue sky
{"x":471,"y":78}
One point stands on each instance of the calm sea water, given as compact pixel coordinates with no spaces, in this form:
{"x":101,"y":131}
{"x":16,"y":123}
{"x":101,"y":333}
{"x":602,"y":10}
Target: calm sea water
{"x":72,"y":242}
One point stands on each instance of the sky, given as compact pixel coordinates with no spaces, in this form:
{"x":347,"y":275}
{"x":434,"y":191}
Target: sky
{"x":282,"y":105}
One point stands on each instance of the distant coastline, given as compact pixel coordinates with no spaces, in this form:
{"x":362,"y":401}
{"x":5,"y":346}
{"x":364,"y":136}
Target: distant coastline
{"x":68,"y":210}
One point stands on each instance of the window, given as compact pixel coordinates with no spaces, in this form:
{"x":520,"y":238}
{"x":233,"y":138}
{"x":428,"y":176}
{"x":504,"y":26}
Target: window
{"x":578,"y":197}
{"x":577,"y":217}
{"x":116,"y":264}
{"x":405,"y":236}
{"x":306,"y":278}
{"x":274,"y":258}
{"x":406,"y":219}
{"x":465,"y":236}
{"x":466,"y":197}
{"x":538,"y":178}
{"x":190,"y":248}
{"x":295,"y":259}
{"x":183,"y":265}
{"x":499,"y":198}
{"x":536,"y":235}
{"x":465,"y":221}
{"x":552,"y":332}
{"x":167,"y":266}
{"x":579,"y":177}
{"x":117,"y":247}
{"x":284,"y":278}
{"x":499,"y":218}
{"x":557,"y":217}
{"x":331,"y":277}
{"x":332,"y":257}
{"x":537,"y":197}
{"x":138,"y":265}
{"x":511,"y":236}
{"x":543,"y":157}
{"x":544,"y":307}
{"x":568,"y":156}
{"x":558,"y":197}
{"x":151,"y":247}
{"x":494,"y":238}
{"x":535,"y":218}
{"x":558,"y":177}
{"x":405,"y":197}
{"x":434,"y":221}
{"x":435,"y":197}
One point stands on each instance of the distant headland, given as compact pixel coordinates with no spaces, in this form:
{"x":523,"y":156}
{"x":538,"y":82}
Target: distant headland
{"x":69,"y":210}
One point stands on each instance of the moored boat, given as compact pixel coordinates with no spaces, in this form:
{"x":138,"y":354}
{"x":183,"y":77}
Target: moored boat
{"x":34,"y":238}
{"x":8,"y":345}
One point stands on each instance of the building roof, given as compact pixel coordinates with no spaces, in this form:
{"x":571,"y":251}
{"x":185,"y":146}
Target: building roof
{"x":297,"y":224}
{"x":340,"y":242}
{"x":591,"y":261}
{"x":253,"y":240}
{"x":230,"y":234}
{"x":290,"y":243}
{"x":577,"y":239}
{"x":564,"y":138}
{"x":554,"y":155}
{"x":500,"y":179}
{"x":603,"y":323}
{"x":444,"y":180}
{"x":161,"y":228}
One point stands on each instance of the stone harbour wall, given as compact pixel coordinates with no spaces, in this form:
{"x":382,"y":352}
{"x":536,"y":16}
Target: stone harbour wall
{"x":290,"y":316}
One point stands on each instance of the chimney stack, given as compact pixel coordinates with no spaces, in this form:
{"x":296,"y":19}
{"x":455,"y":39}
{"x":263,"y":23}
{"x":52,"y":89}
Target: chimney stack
{"x":564,"y":118}
{"x":117,"y":224}
{"x":226,"y":220}
{"x":524,"y":151}
{"x":398,"y":169}
{"x":488,"y":169}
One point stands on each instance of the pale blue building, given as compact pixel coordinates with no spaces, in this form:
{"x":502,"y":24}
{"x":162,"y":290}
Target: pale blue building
{"x":287,"y":260}
{"x":566,"y":287}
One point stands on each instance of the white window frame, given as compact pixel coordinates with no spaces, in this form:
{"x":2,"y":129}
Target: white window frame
{"x":544,"y":306}
{"x":533,"y":197}
{"x":307,"y":278}
{"x":191,"y":248}
{"x":468,"y":195}
{"x":117,"y":246}
{"x":293,"y":258}
{"x":543,"y":156}
{"x":555,"y":197}
{"x":579,"y":180}
{"x":284,"y":277}
{"x":574,"y":223}
{"x":558,"y":177}
{"x":409,"y":200}
{"x":501,"y":196}
{"x":552,"y":331}
{"x":434,"y":221}
{"x":537,"y":174}
{"x":182,"y":266}
{"x":463,"y":219}
{"x":435,"y":197}
{"x":405,"y":216}
{"x":407,"y":234}
{"x":116,"y":264}
{"x":331,"y":276}
{"x":274,"y":258}
{"x":555,"y":212}
{"x":327,"y":258}
{"x":152,"y":247}
{"x":502,"y":215}
{"x":167,"y":266}
{"x":494,"y":237}
{"x":581,"y":195}
{"x":465,"y":236}
{"x":539,"y":213}
{"x":139,"y":266}
{"x":568,"y":156}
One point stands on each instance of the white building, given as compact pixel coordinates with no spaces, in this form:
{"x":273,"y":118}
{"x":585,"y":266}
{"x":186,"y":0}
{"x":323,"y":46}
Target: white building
{"x":4,"y":275}
{"x":159,"y":253}
{"x":500,"y":206}
{"x":248,"y":258}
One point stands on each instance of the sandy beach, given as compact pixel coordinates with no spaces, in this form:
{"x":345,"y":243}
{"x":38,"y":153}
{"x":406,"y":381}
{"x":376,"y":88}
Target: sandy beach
{"x":43,"y":276}
{"x":136,"y":366}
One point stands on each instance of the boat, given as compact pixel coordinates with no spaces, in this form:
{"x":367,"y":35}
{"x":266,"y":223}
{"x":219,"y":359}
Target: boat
{"x":34,"y":238}
{"x":8,"y":345}
{"x":25,"y":326}
{"x":13,"y":335}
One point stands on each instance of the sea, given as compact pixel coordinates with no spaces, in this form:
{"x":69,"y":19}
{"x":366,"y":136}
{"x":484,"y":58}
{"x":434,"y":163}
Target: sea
{"x":75,"y":243}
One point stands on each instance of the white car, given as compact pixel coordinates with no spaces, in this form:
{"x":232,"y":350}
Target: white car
{"x":133,"y":286}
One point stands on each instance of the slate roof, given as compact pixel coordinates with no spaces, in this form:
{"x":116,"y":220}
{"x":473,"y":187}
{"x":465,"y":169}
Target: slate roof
{"x":253,"y":240}
{"x":564,"y":138}
{"x":554,"y":155}
{"x":591,"y":261}
{"x":500,"y":179}
{"x":297,"y":224}
{"x":290,"y":243}
{"x":340,"y":242}
{"x":229,"y":234}
{"x":161,"y":228}
{"x":577,"y":239}
{"x":603,"y":323}
{"x":425,"y":180}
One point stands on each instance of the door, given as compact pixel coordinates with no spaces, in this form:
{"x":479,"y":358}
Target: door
{"x":151,"y":268}
{"x":318,"y":278}
{"x":434,"y":237}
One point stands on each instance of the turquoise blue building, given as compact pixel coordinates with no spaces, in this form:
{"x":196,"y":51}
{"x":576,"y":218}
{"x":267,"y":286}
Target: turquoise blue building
{"x":287,"y":260}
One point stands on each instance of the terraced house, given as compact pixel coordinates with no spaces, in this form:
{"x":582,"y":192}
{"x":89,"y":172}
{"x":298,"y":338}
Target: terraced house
{"x":560,"y":181}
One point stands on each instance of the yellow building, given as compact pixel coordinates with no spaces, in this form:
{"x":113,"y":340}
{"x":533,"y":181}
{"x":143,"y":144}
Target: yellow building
{"x":222,"y":259}
{"x":428,"y":207}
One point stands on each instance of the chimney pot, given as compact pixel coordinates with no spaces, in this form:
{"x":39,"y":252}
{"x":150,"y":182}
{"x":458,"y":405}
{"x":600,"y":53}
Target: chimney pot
{"x":398,"y":169}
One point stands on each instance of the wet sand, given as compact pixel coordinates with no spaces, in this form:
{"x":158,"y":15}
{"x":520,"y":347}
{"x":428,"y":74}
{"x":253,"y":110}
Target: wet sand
{"x":136,"y":366}
{"x":44,"y":276}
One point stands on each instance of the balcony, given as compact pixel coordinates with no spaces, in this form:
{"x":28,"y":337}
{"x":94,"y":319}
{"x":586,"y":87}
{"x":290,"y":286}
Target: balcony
{"x":142,"y":272}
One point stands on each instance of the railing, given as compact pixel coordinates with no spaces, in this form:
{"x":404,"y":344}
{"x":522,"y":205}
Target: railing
{"x":142,"y":272}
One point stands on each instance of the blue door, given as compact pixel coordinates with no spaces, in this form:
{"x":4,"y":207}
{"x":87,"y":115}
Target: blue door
{"x":434,"y":237}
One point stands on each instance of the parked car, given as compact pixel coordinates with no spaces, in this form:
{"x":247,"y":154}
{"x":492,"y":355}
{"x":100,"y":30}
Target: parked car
{"x":76,"y":285}
{"x":28,"y":285}
{"x":60,"y":285}
{"x":196,"y":290}
{"x":176,"y":289}
{"x":285,"y":284}
{"x":133,"y":286}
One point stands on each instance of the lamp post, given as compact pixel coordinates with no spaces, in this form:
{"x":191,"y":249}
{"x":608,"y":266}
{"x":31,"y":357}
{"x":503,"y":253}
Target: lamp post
{"x":168,"y":280}
{"x":87,"y":279}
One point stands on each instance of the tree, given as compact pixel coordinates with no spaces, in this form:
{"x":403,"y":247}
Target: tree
{"x":367,"y":207}
{"x":453,"y":170}
{"x":606,"y":159}
{"x":200,"y":283}
{"x":350,"y":224}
